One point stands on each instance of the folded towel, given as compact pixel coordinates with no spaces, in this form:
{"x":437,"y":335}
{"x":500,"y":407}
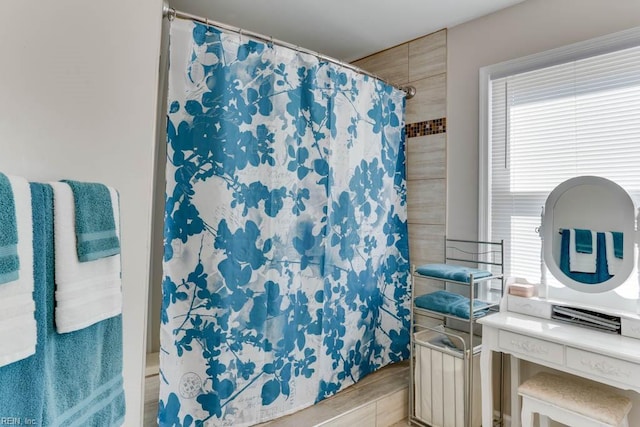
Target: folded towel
{"x":73,"y":379}
{"x":584,"y":241}
{"x":614,"y":263}
{"x":581,"y":262}
{"x":95,"y":225}
{"x":86,"y":292}
{"x":451,"y":272}
{"x":600,"y":275}
{"x":461,"y":309}
{"x":9,"y":262}
{"x":450,"y":303}
{"x":18,"y":329}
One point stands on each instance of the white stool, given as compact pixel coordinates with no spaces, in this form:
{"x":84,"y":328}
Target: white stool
{"x":573,"y":402}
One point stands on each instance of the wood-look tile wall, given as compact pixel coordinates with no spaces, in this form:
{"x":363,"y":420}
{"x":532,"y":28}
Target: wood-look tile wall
{"x":422,"y":63}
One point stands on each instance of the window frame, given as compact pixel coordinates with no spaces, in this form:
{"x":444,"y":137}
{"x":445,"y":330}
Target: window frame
{"x":593,"y":47}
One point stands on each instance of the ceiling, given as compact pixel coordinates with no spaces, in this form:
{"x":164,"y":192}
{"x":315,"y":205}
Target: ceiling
{"x":343,"y":29}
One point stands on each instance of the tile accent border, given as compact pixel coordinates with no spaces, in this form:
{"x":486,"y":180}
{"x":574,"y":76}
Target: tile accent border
{"x":428,"y":127}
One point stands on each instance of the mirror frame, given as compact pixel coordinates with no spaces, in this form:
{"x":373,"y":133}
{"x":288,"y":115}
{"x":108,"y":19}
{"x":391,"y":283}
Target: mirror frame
{"x":623,"y":206}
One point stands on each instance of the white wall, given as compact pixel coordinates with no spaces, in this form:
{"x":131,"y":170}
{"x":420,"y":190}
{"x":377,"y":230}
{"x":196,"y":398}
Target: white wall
{"x":77,"y":100}
{"x":529,"y":27}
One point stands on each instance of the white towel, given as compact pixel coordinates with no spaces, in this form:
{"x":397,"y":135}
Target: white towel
{"x":580,"y":262}
{"x":613,"y":264}
{"x":18,"y":329}
{"x":86,"y":292}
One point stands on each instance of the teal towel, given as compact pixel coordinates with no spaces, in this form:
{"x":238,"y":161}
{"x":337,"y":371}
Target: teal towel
{"x":74,"y":379}
{"x":583,"y":241}
{"x":95,"y":225}
{"x":9,"y":262}
{"x":617,"y":243}
{"x":22,"y":391}
{"x":83,"y":369}
{"x":451,"y":272}
{"x":449,"y":303}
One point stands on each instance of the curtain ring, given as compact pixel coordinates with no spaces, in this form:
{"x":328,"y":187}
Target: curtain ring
{"x":172,"y":14}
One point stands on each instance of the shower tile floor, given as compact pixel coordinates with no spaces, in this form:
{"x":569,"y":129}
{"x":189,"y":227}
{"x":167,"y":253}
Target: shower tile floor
{"x":379,"y":400}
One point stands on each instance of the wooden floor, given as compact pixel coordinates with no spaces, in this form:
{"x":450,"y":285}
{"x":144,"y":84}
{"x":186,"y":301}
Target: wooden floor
{"x":379,"y":400}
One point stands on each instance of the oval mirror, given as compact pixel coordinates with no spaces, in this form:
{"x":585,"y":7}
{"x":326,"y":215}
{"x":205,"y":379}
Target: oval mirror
{"x":589,"y":234}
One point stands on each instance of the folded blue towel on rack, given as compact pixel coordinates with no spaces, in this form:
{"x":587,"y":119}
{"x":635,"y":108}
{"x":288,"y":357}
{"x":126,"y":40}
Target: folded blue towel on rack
{"x":451,"y":272}
{"x":9,"y":262}
{"x":584,"y":243}
{"x":73,"y":379}
{"x":95,"y":225}
{"x":450,"y":303}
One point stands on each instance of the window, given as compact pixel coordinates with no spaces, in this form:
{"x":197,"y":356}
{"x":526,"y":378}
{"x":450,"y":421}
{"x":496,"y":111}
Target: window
{"x":547,"y":118}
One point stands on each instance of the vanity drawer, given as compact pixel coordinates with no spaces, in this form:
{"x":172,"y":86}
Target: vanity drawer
{"x":603,"y":366}
{"x":630,"y":328}
{"x":529,"y":306}
{"x":535,"y":348}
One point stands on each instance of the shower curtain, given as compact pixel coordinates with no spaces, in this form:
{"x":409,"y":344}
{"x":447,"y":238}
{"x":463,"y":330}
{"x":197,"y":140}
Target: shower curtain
{"x":286,"y":271}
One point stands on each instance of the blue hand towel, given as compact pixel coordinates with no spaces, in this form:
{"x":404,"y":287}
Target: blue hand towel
{"x":583,"y":241}
{"x":74,"y":379}
{"x":450,"y":303}
{"x":95,"y":226}
{"x":601,"y":274}
{"x":451,"y":272}
{"x":9,"y":262}
{"x":618,"y":241}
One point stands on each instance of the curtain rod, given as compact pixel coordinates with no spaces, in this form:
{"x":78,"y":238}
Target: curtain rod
{"x":171,"y":13}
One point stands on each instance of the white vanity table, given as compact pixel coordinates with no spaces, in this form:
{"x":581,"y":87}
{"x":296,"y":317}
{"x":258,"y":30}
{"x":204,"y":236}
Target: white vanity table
{"x":607,"y":358}
{"x":524,"y":328}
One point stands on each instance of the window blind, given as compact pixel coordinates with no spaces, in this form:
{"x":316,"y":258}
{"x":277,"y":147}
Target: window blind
{"x":551,"y":124}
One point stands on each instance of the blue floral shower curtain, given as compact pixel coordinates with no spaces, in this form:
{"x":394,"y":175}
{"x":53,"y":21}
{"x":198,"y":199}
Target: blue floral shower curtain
{"x":286,"y":274}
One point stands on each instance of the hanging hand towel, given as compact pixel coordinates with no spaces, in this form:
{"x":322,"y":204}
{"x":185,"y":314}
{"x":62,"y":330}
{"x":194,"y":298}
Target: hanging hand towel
{"x":584,"y":241}
{"x":94,"y":221}
{"x":613,"y":245}
{"x":9,"y":263}
{"x":86,"y":292}
{"x":18,"y":332}
{"x":581,"y":262}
